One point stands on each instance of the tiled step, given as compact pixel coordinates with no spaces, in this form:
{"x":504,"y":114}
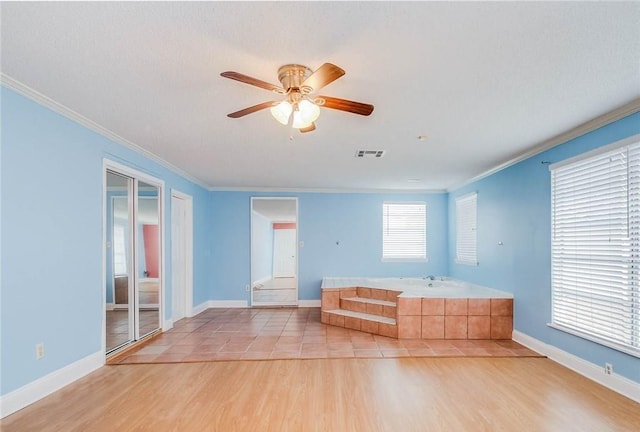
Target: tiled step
{"x":370,"y":317}
{"x":364,"y":322}
{"x":370,"y":306}
{"x":372,"y":301}
{"x":377,"y":293}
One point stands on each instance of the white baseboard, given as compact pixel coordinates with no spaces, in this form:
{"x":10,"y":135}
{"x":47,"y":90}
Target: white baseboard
{"x":218,"y":304}
{"x":228,"y":304}
{"x":308,"y":303}
{"x":615,"y":382}
{"x":44,"y":386}
{"x":198,"y":309}
{"x":167,"y":325}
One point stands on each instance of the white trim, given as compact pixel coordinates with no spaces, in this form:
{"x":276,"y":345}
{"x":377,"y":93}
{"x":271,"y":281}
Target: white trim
{"x":591,"y":125}
{"x":595,"y":339}
{"x":61,"y":109}
{"x":324,"y":190}
{"x":108,"y":164}
{"x":469,"y":263}
{"x":199,"y":309}
{"x":600,"y":150}
{"x":309,"y":303}
{"x":275,"y":304}
{"x":228,"y":303}
{"x":615,"y":382}
{"x":110,"y":306}
{"x":54,"y":381}
{"x":167,"y":325}
{"x":405,"y":260}
{"x":582,"y":129}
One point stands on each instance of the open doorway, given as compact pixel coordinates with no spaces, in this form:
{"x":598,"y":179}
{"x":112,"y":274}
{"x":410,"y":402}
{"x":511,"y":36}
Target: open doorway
{"x":274,"y":251}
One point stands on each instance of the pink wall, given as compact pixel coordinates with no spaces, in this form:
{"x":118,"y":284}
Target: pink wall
{"x":284,"y":225}
{"x":151,"y":249}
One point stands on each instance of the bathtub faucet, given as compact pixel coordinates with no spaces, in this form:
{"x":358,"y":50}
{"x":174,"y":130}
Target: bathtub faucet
{"x":430,"y":277}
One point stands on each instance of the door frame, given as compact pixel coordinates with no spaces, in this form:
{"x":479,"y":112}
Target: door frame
{"x":187,"y":229}
{"x":251,"y":281}
{"x":108,"y":164}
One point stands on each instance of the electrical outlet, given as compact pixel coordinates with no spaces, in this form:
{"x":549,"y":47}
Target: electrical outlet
{"x":608,"y":368}
{"x":39,"y":351}
{"x":247,"y":288}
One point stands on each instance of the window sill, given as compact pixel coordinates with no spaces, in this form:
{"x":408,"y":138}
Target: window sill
{"x":596,"y":339}
{"x":469,"y":263}
{"x":406,"y":260}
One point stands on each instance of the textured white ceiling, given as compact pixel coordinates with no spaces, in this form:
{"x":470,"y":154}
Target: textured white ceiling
{"x":485,"y":82}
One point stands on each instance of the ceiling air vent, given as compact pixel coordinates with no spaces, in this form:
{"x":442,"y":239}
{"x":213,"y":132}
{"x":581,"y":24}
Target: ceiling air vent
{"x":369,"y":153}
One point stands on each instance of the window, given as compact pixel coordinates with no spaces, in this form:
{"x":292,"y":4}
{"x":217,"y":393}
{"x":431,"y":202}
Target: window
{"x":596,"y":246}
{"x":119,"y":248}
{"x":466,"y":220}
{"x":404,"y":232}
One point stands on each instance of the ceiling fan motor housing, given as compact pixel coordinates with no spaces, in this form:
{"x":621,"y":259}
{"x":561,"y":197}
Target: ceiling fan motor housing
{"x":292,"y":76}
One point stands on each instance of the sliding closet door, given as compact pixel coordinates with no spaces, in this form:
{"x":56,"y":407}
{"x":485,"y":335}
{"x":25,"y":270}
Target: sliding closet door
{"x":119,"y":261}
{"x":133,"y":257}
{"x":148,"y":233}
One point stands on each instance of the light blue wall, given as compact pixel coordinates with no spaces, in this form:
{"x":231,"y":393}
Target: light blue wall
{"x":262,"y":248}
{"x":51,"y":247}
{"x":514,"y":206}
{"x":51,"y":281}
{"x":324,"y":219}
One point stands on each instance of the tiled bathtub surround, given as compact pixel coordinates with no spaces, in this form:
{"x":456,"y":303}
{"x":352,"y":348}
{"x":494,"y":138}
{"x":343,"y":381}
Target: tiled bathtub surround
{"x":415,"y":315}
{"x":429,"y":318}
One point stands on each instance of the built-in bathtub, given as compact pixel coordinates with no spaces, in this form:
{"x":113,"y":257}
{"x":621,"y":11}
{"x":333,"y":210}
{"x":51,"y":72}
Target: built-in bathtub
{"x":411,"y":308}
{"x":438,"y":287}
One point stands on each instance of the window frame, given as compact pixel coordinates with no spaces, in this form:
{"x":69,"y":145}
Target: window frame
{"x":632,"y":347}
{"x":397,"y":258}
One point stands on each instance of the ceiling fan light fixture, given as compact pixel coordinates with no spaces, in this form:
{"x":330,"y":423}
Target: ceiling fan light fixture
{"x":298,"y":108}
{"x":281,"y":112}
{"x":303,"y":117}
{"x":307,"y":113}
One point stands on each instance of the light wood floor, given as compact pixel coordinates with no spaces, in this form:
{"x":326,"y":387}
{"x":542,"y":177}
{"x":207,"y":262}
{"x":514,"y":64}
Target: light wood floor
{"x":395,"y":395}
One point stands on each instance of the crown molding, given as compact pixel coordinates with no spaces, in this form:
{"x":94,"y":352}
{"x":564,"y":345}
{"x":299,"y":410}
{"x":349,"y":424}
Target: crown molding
{"x":326,"y":190}
{"x":582,"y":129}
{"x":67,"y":112}
{"x":591,"y":125}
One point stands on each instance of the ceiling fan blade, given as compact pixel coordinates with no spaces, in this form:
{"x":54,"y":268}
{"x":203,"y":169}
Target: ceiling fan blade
{"x":252,"y":81}
{"x":347,"y":105}
{"x":325,"y":74}
{"x":309,"y":128}
{"x":252,"y":109}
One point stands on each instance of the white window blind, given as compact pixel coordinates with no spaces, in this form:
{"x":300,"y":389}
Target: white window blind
{"x":404,"y":232}
{"x":466,"y":225}
{"x":596,"y":247}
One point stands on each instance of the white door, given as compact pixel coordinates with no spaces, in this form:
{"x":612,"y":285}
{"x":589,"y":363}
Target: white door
{"x":284,"y":253}
{"x":181,"y":267}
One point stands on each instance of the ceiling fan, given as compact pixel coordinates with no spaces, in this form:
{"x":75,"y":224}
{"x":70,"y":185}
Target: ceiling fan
{"x":297,"y":108}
